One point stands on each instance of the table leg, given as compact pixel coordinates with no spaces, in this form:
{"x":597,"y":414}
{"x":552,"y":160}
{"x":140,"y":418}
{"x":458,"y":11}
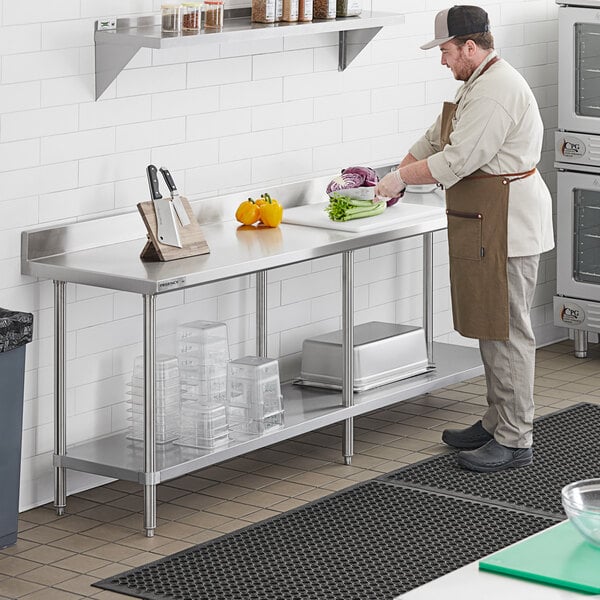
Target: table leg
{"x":149,"y":432}
{"x":348,"y":350}
{"x":60,"y":402}
{"x":261,"y":313}
{"x":581,"y":343}
{"x":428,"y":294}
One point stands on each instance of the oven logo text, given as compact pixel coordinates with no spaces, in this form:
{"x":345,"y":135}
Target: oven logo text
{"x":572,"y":147}
{"x":572,"y":314}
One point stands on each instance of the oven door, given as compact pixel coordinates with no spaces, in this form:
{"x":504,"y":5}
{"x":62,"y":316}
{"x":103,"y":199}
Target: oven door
{"x":578,"y":235}
{"x":579,"y":69}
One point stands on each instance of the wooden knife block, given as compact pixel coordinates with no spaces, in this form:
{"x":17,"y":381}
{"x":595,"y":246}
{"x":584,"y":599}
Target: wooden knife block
{"x":192,"y":239}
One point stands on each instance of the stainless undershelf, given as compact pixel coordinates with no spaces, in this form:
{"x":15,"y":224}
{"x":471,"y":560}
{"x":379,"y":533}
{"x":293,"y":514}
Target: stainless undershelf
{"x":306,"y":409}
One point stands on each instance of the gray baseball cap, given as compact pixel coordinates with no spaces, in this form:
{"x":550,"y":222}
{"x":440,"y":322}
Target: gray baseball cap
{"x":458,"y":20}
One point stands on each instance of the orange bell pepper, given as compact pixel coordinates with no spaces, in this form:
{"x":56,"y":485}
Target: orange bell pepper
{"x":271,"y":212}
{"x":248,"y":212}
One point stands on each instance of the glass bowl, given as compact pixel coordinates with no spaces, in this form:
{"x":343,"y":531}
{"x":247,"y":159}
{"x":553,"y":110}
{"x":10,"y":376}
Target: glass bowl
{"x":581,"y":501}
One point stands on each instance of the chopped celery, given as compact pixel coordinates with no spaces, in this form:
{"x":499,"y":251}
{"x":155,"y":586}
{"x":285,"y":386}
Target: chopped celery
{"x":343,"y":208}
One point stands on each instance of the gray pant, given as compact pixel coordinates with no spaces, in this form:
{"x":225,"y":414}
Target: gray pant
{"x":510,"y":365}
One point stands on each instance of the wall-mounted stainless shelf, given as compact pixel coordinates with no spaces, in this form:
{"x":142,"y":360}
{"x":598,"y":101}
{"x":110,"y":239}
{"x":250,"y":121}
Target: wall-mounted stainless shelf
{"x":116,"y":47}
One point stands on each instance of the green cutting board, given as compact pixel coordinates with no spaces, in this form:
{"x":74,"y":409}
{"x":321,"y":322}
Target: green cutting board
{"x":558,"y":556}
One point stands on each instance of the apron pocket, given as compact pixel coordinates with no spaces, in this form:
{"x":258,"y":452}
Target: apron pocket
{"x":464,"y":235}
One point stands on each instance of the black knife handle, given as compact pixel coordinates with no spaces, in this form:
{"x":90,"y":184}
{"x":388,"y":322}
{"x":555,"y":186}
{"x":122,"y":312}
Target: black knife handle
{"x":168,"y":179}
{"x":153,"y":182}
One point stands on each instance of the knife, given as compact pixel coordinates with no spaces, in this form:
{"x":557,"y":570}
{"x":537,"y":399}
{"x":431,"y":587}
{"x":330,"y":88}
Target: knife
{"x":165,"y":217}
{"x":177,"y":203}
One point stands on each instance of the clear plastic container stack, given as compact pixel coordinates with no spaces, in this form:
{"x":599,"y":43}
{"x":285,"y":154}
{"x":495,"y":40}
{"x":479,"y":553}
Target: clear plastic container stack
{"x":166,"y":400}
{"x":203,"y":353}
{"x":254,"y":404}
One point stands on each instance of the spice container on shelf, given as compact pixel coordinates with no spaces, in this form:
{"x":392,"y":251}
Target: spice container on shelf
{"x":171,"y":18}
{"x":278,"y":11}
{"x":324,"y":9}
{"x":349,"y":8}
{"x":213,"y":14}
{"x":191,"y":16}
{"x":263,"y":11}
{"x":290,"y":11}
{"x":305,"y":10}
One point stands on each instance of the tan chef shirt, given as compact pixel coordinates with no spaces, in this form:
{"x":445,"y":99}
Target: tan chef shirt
{"x":498,"y":129}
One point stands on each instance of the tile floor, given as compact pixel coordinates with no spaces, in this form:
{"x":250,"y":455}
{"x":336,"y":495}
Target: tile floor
{"x":57,"y":558}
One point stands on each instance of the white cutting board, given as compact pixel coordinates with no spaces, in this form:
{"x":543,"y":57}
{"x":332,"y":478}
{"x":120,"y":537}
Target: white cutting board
{"x":314,"y":215}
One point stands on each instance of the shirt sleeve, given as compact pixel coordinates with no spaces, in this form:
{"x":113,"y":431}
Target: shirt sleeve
{"x":478,"y":134}
{"x":429,"y":143}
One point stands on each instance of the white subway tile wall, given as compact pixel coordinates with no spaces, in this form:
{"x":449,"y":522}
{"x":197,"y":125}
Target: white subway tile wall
{"x":223,"y":118}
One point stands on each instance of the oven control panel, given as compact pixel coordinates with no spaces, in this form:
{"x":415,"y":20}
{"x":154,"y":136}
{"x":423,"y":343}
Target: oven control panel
{"x":590,"y":3}
{"x":577,"y":148}
{"x":576,"y":313}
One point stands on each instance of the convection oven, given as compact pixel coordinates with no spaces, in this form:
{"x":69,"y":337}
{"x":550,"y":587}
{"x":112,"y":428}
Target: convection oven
{"x":579,"y":262}
{"x":579,"y":67}
{"x":577,"y":152}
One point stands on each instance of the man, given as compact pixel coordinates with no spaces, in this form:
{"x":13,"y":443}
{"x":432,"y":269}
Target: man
{"x":483,"y":149}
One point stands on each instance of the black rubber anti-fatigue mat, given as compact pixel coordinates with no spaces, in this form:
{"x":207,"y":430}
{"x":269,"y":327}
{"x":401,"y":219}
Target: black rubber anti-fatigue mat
{"x":371,"y":542}
{"x":566,"y":448}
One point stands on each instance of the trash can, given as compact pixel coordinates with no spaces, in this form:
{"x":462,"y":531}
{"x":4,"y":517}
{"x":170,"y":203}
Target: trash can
{"x":16,"y":329}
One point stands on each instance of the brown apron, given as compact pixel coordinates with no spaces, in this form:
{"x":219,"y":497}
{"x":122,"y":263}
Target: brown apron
{"x":477,"y":210}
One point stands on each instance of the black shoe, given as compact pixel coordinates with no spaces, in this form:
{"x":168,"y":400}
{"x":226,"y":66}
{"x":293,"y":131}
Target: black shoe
{"x":494,"y":457}
{"x":469,"y":438}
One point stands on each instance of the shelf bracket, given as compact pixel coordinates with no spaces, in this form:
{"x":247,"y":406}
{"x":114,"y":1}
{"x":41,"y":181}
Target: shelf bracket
{"x":110,"y":60}
{"x":352,"y":43}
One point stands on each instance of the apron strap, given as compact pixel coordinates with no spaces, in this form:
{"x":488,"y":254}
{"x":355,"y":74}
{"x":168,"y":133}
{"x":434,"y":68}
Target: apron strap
{"x":508,"y":177}
{"x":494,"y":60}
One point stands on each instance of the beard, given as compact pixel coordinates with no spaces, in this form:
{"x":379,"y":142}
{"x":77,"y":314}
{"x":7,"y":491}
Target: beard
{"x":462,"y":69}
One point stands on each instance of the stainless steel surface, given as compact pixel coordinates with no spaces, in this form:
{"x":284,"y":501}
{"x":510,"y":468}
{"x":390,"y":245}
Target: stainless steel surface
{"x":306,"y":409}
{"x":105,"y":252}
{"x":84,"y":235}
{"x":571,"y":279}
{"x":383,"y":353}
{"x":261,"y":313}
{"x":166,"y":226}
{"x":348,"y":441}
{"x":45,"y":242}
{"x":576,"y":168}
{"x":577,"y":152}
{"x":590,"y":3}
{"x":577,"y":314}
{"x":347,"y":350}
{"x":180,"y":210}
{"x":578,"y":62}
{"x":428,"y":295}
{"x":115,"y":48}
{"x":581,"y":343}
{"x":60,"y":395}
{"x":352,"y":42}
{"x":149,"y":406}
{"x":177,"y":204}
{"x":576,"y":148}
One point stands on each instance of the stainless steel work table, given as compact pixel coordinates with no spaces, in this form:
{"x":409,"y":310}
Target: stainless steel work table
{"x":105,"y":253}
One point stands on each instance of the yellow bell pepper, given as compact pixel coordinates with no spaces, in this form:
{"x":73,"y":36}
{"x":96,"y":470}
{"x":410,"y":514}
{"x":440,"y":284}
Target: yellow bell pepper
{"x":248,"y":212}
{"x":271,"y":212}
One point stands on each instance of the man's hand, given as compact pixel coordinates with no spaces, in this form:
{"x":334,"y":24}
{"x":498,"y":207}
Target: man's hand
{"x":391,"y":185}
